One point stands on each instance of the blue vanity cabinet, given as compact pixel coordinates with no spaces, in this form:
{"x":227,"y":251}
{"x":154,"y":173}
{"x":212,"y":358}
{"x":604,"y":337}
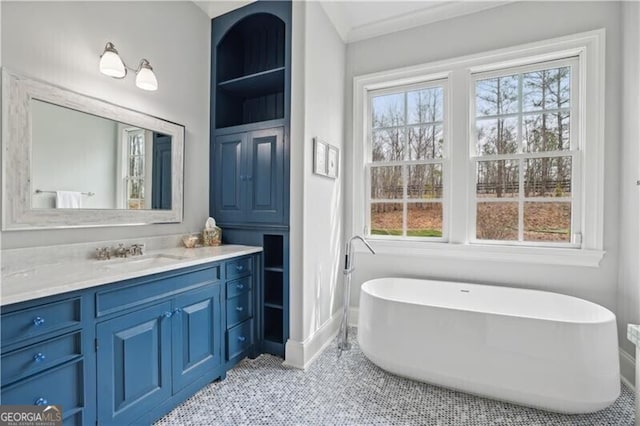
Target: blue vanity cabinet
{"x":161,"y":334}
{"x":240,"y":300}
{"x":46,"y":343}
{"x":134,"y":369}
{"x":129,"y":352}
{"x":197,"y":335}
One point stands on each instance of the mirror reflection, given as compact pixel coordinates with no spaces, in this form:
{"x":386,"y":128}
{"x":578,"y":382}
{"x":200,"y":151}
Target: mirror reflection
{"x":82,"y":161}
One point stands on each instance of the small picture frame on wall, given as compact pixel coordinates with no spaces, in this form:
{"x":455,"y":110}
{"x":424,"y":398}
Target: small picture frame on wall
{"x":333,"y":161}
{"x":319,"y":157}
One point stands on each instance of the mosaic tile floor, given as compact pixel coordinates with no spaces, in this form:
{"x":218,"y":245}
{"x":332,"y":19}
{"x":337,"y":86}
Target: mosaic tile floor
{"x":350,"y":390}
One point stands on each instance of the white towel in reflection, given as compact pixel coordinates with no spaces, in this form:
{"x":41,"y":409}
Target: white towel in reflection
{"x":68,"y":200}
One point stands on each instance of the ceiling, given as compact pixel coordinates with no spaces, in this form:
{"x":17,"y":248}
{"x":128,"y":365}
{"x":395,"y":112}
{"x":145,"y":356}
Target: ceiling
{"x":362,"y":19}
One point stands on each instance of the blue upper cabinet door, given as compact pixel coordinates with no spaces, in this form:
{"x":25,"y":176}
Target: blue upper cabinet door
{"x":197,"y":335}
{"x":265,"y":178}
{"x":229,"y":178}
{"x":134,"y":369}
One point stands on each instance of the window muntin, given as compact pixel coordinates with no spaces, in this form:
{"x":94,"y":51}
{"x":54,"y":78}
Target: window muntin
{"x":525,"y":154}
{"x":135,"y":172}
{"x":407,"y":159}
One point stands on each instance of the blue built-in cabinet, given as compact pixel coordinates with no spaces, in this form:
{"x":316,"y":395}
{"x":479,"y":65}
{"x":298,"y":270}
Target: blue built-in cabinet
{"x":129,"y":352}
{"x":249,"y":171}
{"x":250,"y":117}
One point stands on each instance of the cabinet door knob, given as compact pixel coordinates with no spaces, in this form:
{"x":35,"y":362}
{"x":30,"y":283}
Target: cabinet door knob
{"x":39,"y":357}
{"x":239,"y":308}
{"x":242,"y":338}
{"x":249,"y":177}
{"x":176,"y":311}
{"x":38,"y":321}
{"x":243,"y":177}
{"x":41,"y":401}
{"x":167,"y":314}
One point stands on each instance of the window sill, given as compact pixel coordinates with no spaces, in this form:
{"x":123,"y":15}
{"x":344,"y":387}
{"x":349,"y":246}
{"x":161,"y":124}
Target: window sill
{"x":485,"y":252}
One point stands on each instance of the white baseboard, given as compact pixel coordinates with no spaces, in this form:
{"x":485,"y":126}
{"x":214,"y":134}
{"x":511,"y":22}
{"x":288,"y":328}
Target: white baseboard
{"x":627,"y":368}
{"x":302,"y":354}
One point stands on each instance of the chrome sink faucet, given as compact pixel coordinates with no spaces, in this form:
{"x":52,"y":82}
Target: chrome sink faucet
{"x":103,"y":253}
{"x":121,"y":251}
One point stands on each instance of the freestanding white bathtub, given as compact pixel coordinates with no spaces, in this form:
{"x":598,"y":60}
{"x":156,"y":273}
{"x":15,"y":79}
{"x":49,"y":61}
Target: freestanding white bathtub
{"x":535,"y":348}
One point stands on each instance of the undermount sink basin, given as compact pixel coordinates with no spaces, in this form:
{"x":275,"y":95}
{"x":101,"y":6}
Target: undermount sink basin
{"x":142,"y":261}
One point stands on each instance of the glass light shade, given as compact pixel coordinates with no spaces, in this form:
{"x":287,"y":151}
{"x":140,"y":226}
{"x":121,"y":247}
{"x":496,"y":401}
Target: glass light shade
{"x":111,"y":64}
{"x":145,"y":78}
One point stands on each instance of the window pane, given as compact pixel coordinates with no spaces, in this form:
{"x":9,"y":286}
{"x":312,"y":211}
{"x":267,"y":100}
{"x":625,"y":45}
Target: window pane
{"x":386,"y":219}
{"x":387,"y":110}
{"x":547,"y":177}
{"x":425,"y":106}
{"x":424,"y":219}
{"x":546,"y":89}
{"x":424,"y":181}
{"x":425,"y":142}
{"x":497,"y":221}
{"x":496,"y":96}
{"x":388,"y":145}
{"x":547,"y":222}
{"x":497,"y":179}
{"x":497,"y":136}
{"x":546,"y":132}
{"x":386,"y":183}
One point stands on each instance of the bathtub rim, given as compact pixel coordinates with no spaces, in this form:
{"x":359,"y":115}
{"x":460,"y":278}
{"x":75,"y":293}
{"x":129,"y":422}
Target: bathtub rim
{"x":611,"y":317}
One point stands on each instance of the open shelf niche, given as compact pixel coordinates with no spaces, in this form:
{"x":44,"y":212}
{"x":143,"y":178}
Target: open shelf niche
{"x":250,"y":71}
{"x":273,"y":246}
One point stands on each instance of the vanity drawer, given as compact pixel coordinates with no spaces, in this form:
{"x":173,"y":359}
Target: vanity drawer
{"x":239,"y":268}
{"x":237,"y":287}
{"x":239,"y":338}
{"x":239,"y":309}
{"x":40,"y":320}
{"x":146,"y":290}
{"x":61,"y":386}
{"x":38,"y":357}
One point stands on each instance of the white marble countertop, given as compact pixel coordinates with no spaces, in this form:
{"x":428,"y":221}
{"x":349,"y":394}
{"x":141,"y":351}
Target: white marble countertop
{"x":55,"y":278}
{"x":633,"y":334}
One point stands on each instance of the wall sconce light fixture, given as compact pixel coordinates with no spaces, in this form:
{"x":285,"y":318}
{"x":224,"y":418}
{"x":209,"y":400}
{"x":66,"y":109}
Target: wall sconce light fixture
{"x":112,"y":65}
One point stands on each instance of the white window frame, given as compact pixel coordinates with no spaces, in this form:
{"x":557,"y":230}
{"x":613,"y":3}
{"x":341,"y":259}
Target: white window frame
{"x":444,"y":160}
{"x":575,"y":139}
{"x":589,"y":49}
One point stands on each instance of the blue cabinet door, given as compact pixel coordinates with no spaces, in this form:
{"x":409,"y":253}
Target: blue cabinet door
{"x":265,"y":176}
{"x":229,"y":178}
{"x":134,"y":364}
{"x":197,"y":335}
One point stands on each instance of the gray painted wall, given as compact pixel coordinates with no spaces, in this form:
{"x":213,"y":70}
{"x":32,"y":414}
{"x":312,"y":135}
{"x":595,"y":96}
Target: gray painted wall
{"x":504,"y":26}
{"x":319,"y":57}
{"x":60,"y":42}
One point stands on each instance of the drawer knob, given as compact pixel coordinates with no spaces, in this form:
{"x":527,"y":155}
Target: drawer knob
{"x":240,"y":286}
{"x":239,"y":308}
{"x":41,"y":401}
{"x":39,"y":357}
{"x":38,"y":321}
{"x":167,"y":314}
{"x":242,"y":338}
{"x":239,"y":268}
